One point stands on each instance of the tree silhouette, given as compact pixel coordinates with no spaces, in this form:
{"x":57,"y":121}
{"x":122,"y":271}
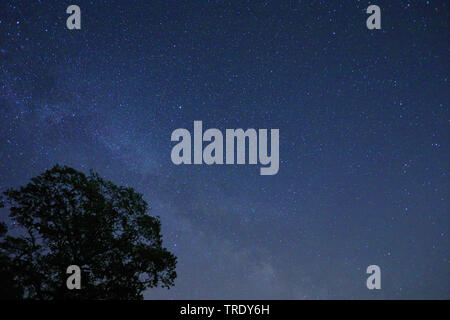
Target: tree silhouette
{"x":65,"y":217}
{"x":9,"y":289}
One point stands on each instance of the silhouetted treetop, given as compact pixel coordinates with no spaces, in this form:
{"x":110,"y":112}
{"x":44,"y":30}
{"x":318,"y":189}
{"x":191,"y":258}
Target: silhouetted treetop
{"x":65,"y":217}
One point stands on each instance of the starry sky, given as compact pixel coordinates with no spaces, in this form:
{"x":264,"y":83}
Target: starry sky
{"x":364,"y":134}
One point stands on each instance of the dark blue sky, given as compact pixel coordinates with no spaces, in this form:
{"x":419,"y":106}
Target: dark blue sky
{"x":364,"y":133}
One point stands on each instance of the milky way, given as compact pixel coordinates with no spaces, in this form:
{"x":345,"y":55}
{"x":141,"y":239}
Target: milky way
{"x":363,"y":118}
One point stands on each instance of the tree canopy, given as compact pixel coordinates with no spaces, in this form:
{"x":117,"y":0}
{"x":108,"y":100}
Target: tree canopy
{"x":64,"y":217}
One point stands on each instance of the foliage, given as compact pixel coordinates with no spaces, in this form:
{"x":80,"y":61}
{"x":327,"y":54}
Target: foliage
{"x":69,"y":218}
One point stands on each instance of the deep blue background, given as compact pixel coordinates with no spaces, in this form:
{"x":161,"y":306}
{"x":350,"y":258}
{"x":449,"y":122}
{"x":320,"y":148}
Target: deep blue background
{"x":364,"y":133}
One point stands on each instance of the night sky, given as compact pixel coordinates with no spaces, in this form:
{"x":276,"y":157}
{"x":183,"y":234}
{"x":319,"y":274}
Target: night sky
{"x":364,"y":134}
